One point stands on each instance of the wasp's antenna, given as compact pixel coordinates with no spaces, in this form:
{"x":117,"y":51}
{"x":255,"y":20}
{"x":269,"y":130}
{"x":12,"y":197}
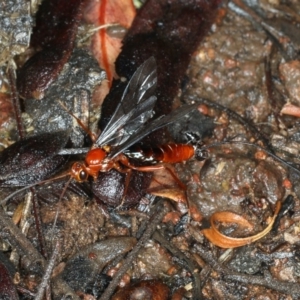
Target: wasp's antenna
{"x":279,"y":159}
{"x":85,"y":129}
{"x":65,"y":188}
{"x":232,"y":114}
{"x":2,"y":202}
{"x":57,"y":212}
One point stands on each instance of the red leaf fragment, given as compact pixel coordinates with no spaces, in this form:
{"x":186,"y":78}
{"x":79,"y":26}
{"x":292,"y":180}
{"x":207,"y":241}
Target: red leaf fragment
{"x":105,"y":46}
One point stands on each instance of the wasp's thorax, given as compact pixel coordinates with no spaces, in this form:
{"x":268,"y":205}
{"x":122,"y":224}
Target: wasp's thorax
{"x":96,"y":161}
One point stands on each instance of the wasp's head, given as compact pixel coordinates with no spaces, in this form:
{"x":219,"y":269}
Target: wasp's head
{"x":79,"y":172}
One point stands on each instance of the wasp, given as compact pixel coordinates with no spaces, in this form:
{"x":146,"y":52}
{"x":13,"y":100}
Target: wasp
{"x":128,"y":125}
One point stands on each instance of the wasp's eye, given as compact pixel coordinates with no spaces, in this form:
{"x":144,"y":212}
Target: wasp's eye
{"x":83,"y":175}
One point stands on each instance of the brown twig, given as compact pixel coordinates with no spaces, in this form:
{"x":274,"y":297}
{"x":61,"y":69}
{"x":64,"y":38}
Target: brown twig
{"x":186,"y":263}
{"x":31,"y":258}
{"x":21,"y":132}
{"x":15,"y":101}
{"x":38,"y":222}
{"x":161,"y":209}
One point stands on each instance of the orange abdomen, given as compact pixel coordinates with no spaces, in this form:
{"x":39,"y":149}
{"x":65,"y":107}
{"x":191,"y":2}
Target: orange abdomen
{"x":174,"y":153}
{"x":169,"y":153}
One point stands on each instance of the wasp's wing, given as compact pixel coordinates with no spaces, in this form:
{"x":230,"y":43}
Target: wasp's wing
{"x":135,"y":107}
{"x":154,"y":125}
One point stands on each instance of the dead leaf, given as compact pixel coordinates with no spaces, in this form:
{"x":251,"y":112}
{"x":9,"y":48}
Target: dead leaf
{"x":223,"y":241}
{"x":164,"y":185}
